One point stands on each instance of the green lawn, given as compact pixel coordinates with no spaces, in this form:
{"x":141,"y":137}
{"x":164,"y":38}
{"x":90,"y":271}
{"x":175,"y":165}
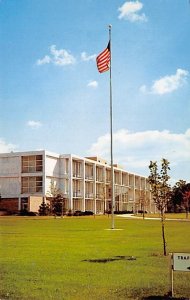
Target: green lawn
{"x":47,"y":258}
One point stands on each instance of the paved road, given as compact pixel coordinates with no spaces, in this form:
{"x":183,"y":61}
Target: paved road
{"x":130,"y":216}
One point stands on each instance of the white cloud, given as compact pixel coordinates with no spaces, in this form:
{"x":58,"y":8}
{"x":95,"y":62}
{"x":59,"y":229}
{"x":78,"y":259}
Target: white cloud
{"x":130,"y":11}
{"x":57,"y":57}
{"x":6,"y":147}
{"x":43,"y":61}
{"x":167,"y":84}
{"x":93,"y":84}
{"x":34,"y":124}
{"x":134,"y":150}
{"x":61,"y":57}
{"x":86,"y":57}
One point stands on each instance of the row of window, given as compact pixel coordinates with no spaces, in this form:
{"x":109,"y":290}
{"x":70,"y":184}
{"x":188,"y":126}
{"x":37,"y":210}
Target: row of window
{"x":35,"y":185}
{"x":124,"y":197}
{"x":120,"y":178}
{"x":137,"y":185}
{"x":32,"y":163}
{"x":31,"y":185}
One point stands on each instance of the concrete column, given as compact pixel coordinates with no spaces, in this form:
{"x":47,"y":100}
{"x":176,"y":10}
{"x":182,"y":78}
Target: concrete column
{"x":94,"y":173}
{"x":70,"y":182}
{"x":84,"y":188}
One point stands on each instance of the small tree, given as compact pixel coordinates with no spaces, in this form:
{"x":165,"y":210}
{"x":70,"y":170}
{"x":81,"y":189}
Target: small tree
{"x":143,"y":202}
{"x":57,"y":201}
{"x":44,"y":209}
{"x":161,"y":191}
{"x":58,"y":205}
{"x":103,"y":195}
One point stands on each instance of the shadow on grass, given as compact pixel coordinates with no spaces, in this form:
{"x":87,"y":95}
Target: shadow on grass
{"x":109,"y":259}
{"x":143,"y":293}
{"x":163,"y":298}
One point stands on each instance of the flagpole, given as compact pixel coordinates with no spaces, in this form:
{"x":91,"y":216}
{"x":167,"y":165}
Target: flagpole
{"x":111,"y":141}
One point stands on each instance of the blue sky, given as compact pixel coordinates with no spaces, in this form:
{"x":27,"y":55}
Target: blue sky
{"x":52,"y":96}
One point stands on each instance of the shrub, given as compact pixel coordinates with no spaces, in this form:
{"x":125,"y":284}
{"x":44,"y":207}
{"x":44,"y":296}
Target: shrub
{"x":88,"y":213}
{"x":69,"y":213}
{"x":24,"y":212}
{"x":44,"y":209}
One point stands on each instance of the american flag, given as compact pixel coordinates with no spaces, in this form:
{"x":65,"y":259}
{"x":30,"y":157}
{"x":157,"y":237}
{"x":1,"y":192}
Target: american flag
{"x":103,"y":60}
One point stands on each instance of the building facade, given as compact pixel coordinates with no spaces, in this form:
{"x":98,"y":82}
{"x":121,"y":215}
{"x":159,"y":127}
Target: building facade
{"x":28,"y":178}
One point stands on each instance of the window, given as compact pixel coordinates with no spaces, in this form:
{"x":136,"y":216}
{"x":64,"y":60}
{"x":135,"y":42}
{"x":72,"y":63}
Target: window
{"x":66,"y":166}
{"x":66,"y":186}
{"x":76,"y":188}
{"x":77,"y":169}
{"x":131,"y":180}
{"x":117,"y":178}
{"x":31,"y":185}
{"x":99,"y":174}
{"x":124,"y":179}
{"x":32,"y":164}
{"x":89,"y":171}
{"x":137,"y":182}
{"x":108,"y":175}
{"x":100,"y":191}
{"x":89,"y":190}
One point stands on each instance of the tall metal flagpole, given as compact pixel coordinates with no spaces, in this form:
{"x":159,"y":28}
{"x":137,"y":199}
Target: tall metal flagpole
{"x":111,"y":143}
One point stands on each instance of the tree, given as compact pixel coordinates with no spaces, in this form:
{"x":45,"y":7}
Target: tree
{"x":57,"y":201}
{"x":161,"y":191}
{"x":186,"y":201}
{"x":143,"y":202}
{"x":58,"y":205}
{"x":103,"y":196}
{"x":180,"y":199}
{"x":177,"y":195}
{"x":44,"y":209}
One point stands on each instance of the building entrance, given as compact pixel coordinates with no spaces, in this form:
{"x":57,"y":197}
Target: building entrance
{"x":24,"y":203}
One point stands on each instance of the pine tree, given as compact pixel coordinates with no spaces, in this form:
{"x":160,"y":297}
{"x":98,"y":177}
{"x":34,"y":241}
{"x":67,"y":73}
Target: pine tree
{"x":44,"y":209}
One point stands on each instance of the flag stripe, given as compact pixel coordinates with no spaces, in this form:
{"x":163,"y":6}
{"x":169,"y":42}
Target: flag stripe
{"x":103,"y":60}
{"x":103,"y":54}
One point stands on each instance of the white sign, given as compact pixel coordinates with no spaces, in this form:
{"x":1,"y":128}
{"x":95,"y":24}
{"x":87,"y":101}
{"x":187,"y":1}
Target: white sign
{"x":181,"y":262}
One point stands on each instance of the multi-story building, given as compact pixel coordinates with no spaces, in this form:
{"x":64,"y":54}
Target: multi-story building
{"x":27,"y":178}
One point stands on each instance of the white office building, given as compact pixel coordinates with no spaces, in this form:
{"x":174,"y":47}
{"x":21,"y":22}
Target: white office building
{"x":27,"y":178}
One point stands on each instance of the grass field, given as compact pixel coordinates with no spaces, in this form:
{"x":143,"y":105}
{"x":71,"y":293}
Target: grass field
{"x":76,"y":258}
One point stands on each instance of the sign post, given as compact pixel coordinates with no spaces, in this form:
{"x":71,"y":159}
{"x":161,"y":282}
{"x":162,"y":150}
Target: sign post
{"x":178,"y":262}
{"x":171,"y":275}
